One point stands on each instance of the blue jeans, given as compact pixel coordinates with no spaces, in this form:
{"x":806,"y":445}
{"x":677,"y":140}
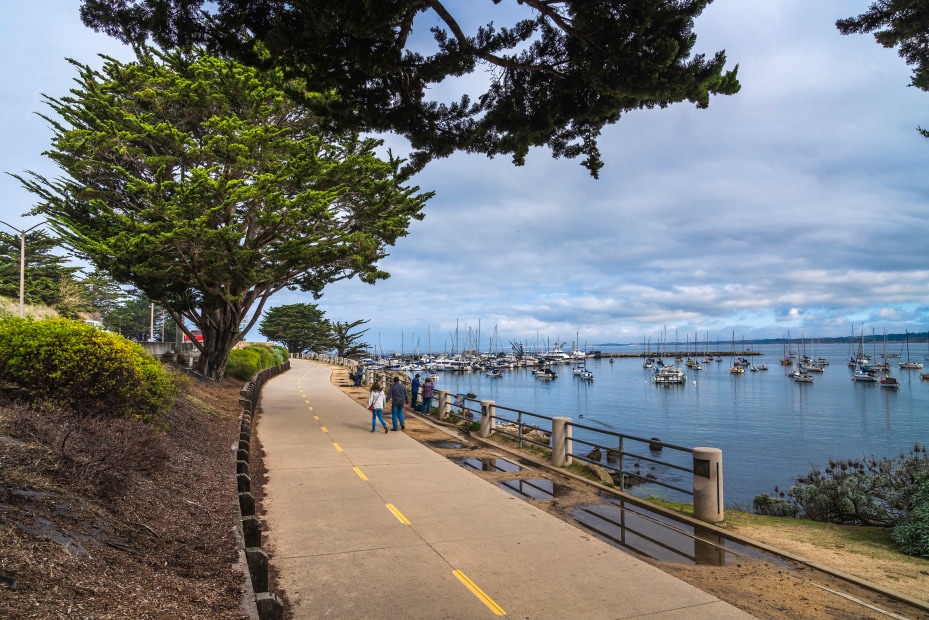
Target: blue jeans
{"x":395,"y":412}
{"x":427,"y":404}
{"x":377,"y":414}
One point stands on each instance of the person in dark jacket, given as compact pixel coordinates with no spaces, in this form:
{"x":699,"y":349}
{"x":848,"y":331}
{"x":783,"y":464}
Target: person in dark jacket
{"x":414,"y":388}
{"x":397,"y":400}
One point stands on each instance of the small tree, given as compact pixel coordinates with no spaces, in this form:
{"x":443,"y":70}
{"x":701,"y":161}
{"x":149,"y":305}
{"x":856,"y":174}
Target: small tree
{"x":45,"y":270}
{"x":345,"y":343}
{"x":203,"y":185}
{"x":299,"y":327}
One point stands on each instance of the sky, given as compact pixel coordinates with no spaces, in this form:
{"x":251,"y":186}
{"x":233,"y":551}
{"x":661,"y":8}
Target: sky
{"x":800,"y":204}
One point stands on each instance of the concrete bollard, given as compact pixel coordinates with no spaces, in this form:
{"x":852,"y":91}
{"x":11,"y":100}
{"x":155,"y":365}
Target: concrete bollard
{"x":445,"y":404}
{"x":270,"y":607}
{"x":488,"y":411}
{"x":246,"y":504}
{"x":257,"y":568}
{"x":243,"y":483}
{"x":251,"y":531}
{"x":708,"y":484}
{"x":562,"y":446}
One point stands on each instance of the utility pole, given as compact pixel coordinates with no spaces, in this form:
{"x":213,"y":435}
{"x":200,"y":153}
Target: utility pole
{"x":22,"y":262}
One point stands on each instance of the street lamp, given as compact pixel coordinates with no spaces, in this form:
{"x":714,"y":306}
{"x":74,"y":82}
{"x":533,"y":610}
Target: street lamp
{"x":22,"y":261}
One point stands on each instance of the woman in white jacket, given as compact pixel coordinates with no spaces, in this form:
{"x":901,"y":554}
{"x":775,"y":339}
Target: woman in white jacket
{"x":376,"y":405}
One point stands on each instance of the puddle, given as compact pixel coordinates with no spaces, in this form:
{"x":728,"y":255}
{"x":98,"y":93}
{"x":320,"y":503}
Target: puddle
{"x":639,"y":530}
{"x":490,"y":463}
{"x":447,"y":445}
{"x":535,"y":488}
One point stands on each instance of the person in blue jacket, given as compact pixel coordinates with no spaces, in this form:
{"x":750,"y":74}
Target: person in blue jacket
{"x":414,"y":388}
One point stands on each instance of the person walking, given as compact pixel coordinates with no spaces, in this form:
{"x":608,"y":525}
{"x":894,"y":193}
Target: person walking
{"x":358,"y":374}
{"x":428,"y":387}
{"x":397,"y":400}
{"x":414,"y":388}
{"x":376,"y":406}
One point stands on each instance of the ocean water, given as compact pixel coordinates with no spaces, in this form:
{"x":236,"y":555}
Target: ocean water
{"x":769,"y":428}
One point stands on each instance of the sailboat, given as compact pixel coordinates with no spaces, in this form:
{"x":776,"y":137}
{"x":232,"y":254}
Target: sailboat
{"x":581,"y":372}
{"x":734,"y":368}
{"x":887,"y":381}
{"x":909,"y":364}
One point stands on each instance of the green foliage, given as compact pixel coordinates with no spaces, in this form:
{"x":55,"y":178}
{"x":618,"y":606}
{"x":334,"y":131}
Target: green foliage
{"x":897,"y":23}
{"x":912,"y":535}
{"x":245,"y":362}
{"x":557,"y":74}
{"x":764,"y":504}
{"x":69,"y":363}
{"x":265,"y":357}
{"x":200,"y":183}
{"x":872,"y":491}
{"x":302,"y":328}
{"x":903,"y":24}
{"x":281,"y":354}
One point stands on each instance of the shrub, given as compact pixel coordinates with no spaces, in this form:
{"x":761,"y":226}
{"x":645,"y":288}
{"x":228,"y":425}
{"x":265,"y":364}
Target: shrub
{"x":912,"y":535}
{"x":870,"y":491}
{"x":266,"y":358}
{"x":67,"y":363}
{"x":243,"y":363}
{"x":764,"y":504}
{"x":281,"y":354}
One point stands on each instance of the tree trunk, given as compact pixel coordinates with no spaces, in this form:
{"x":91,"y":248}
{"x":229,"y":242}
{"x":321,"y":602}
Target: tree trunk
{"x":219,"y":338}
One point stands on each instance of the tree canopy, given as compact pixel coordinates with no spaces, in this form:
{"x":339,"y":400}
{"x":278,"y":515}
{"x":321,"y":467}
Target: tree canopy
{"x":205,"y":187}
{"x":345,"y":342}
{"x":302,"y":328}
{"x":897,"y":23}
{"x":555,"y":77}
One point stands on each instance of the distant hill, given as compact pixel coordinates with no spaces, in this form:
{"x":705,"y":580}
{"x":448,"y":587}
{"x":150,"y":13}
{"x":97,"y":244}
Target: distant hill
{"x":914,"y":337}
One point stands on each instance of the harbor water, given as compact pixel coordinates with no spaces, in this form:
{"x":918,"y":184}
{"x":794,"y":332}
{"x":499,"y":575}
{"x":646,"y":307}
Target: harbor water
{"x":770,"y":429}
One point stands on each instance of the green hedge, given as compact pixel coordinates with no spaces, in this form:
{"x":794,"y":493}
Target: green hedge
{"x":244,"y":363}
{"x":69,"y":363}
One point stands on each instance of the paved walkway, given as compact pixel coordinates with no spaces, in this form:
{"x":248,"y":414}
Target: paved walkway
{"x":375,"y":525}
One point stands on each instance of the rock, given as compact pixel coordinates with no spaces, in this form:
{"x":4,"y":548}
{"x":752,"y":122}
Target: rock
{"x":655,"y":445}
{"x":612,"y":456}
{"x":595,"y":454}
{"x":601,"y":473}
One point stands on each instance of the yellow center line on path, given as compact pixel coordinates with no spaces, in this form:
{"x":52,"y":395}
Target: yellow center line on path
{"x":310,"y":408}
{"x":337,"y":447}
{"x":325,"y":430}
{"x":316,"y":417}
{"x":360,"y":475}
{"x":476,"y":591}
{"x":398,"y":514}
